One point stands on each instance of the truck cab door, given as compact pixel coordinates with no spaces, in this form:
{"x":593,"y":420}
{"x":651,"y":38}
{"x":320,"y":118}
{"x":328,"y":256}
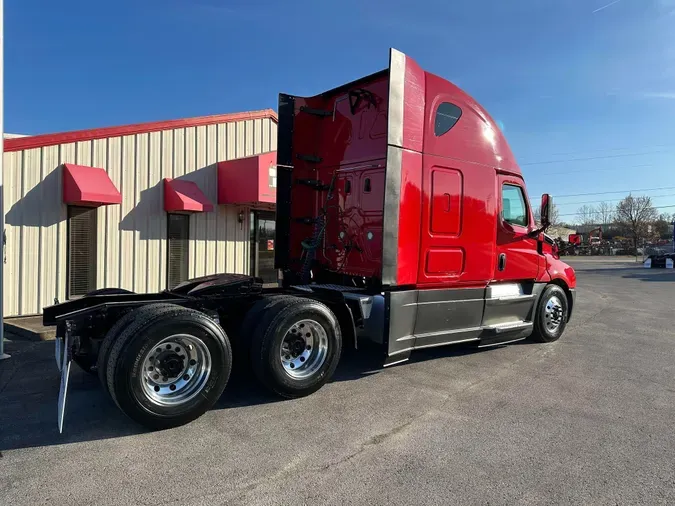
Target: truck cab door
{"x":517,"y":258}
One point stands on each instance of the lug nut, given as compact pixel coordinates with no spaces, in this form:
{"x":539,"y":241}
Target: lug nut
{"x":172,"y":387}
{"x":156,"y":388}
{"x":155,"y":376}
{"x":186,"y":377}
{"x":193,"y":362}
{"x":309,"y":347}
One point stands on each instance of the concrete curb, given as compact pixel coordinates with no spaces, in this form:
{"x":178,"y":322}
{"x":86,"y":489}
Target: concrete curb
{"x":29,"y":331}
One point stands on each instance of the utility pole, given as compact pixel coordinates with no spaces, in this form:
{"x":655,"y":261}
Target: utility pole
{"x":3,"y":355}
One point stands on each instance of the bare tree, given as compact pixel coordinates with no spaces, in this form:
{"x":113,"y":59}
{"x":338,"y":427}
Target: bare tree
{"x":587,"y":215}
{"x":635,"y":214}
{"x":605,"y":213}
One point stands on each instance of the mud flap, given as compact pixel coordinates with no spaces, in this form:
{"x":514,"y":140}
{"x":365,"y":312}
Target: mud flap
{"x":64,"y":358}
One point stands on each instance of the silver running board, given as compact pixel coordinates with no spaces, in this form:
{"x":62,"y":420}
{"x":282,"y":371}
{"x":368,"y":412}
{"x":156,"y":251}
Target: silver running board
{"x":500,"y":328}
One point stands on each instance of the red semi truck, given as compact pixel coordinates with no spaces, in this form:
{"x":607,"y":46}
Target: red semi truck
{"x":402,"y":218}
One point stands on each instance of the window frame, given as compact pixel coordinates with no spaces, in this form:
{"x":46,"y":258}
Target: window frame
{"x":523,"y":195}
{"x":436,"y":112}
{"x":186,"y":218}
{"x":93,"y":246}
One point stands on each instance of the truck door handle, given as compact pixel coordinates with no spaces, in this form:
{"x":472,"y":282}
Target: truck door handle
{"x":447,"y":206}
{"x":502,"y":261}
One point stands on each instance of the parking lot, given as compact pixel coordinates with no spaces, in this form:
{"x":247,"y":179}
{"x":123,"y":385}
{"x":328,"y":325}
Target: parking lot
{"x":586,"y":420}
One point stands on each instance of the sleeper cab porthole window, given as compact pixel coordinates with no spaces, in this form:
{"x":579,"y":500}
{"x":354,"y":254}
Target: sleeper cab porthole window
{"x":447,"y":115}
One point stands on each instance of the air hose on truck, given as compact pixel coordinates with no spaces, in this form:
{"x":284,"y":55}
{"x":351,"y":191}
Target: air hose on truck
{"x":310,"y":245}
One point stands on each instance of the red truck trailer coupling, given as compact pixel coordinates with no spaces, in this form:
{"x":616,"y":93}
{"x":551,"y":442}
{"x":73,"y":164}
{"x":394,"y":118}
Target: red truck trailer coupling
{"x":402,"y":218}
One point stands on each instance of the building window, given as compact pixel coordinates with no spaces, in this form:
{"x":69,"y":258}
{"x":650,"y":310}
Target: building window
{"x":178,"y":234}
{"x":81,"y":267}
{"x":447,"y":115}
{"x":514,"y":210}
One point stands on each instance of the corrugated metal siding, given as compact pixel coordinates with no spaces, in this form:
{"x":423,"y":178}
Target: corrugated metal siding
{"x":131,"y":240}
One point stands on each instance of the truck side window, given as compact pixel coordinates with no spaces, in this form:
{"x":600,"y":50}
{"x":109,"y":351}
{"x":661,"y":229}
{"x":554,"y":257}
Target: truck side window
{"x":447,"y":115}
{"x":514,"y":210}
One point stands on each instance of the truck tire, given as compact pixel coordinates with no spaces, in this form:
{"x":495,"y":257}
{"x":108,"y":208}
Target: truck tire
{"x":551,"y":315}
{"x":168,"y":366}
{"x":110,"y":337}
{"x":296,"y":347}
{"x":242,"y":340}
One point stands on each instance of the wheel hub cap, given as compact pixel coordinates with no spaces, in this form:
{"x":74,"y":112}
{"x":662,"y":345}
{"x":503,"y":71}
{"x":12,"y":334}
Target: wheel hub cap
{"x":304,"y":349}
{"x":175,"y":370}
{"x":553,"y":313}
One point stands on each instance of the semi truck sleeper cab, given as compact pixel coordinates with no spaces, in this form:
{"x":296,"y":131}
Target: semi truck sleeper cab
{"x":402,"y":218}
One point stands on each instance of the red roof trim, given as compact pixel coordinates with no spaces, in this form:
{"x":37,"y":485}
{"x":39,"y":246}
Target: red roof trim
{"x":38,"y":141}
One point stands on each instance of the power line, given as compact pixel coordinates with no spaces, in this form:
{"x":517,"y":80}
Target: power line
{"x":611,"y":200}
{"x":576,"y":214}
{"x":609,"y":193}
{"x":591,"y":158}
{"x":597,"y":170}
{"x":587,"y":151}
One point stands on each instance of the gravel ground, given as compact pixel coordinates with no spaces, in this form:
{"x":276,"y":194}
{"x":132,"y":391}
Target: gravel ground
{"x":586,"y":420}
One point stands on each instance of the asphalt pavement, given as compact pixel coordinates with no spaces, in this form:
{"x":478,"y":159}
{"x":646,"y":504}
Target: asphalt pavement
{"x":589,"y":419}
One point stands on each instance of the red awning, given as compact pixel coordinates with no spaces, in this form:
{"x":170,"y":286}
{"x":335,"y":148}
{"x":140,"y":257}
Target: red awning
{"x":249,"y":181}
{"x":182,"y":195}
{"x":88,"y":186}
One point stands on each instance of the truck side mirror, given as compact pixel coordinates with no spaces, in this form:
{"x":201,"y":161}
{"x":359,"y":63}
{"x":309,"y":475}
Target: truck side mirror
{"x":545,"y":210}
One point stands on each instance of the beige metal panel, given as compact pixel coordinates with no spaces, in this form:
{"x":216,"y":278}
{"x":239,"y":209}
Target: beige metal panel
{"x":273,"y":136}
{"x":248,"y":138}
{"x":257,"y":136}
{"x":12,"y":171}
{"x":141,"y":211}
{"x":127,"y":224}
{"x":190,"y":158}
{"x":99,"y":149}
{"x":221,"y":133}
{"x":231,"y":231}
{"x":83,"y":153}
{"x":211,"y":190}
{"x":29,"y":244}
{"x":51,"y":204}
{"x":167,"y":172}
{"x":153,"y":201}
{"x":266,"y":132}
{"x":113,"y":233}
{"x":200,"y":218}
{"x":179,"y":153}
{"x":240,"y":139}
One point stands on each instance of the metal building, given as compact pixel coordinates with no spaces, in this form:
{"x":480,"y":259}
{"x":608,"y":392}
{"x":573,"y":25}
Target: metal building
{"x":140,"y":207}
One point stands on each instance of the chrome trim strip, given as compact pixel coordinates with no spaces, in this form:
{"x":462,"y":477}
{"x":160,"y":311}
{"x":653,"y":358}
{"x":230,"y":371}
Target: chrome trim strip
{"x":396,"y":98}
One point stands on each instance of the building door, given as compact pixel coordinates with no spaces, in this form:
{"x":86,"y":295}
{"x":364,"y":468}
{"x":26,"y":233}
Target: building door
{"x":81,"y":266}
{"x":262,"y":246}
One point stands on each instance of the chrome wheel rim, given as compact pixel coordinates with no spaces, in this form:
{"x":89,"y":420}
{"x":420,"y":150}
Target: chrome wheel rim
{"x":175,"y":370}
{"x":553,"y":313}
{"x":304,"y":349}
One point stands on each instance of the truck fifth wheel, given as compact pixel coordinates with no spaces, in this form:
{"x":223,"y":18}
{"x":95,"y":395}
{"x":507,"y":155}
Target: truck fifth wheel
{"x":402,"y":218}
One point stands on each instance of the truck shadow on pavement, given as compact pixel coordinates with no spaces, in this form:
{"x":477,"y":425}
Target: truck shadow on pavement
{"x":29,"y":389}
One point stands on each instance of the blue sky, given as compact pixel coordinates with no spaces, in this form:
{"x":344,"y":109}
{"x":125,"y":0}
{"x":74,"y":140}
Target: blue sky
{"x":585,"y":89}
